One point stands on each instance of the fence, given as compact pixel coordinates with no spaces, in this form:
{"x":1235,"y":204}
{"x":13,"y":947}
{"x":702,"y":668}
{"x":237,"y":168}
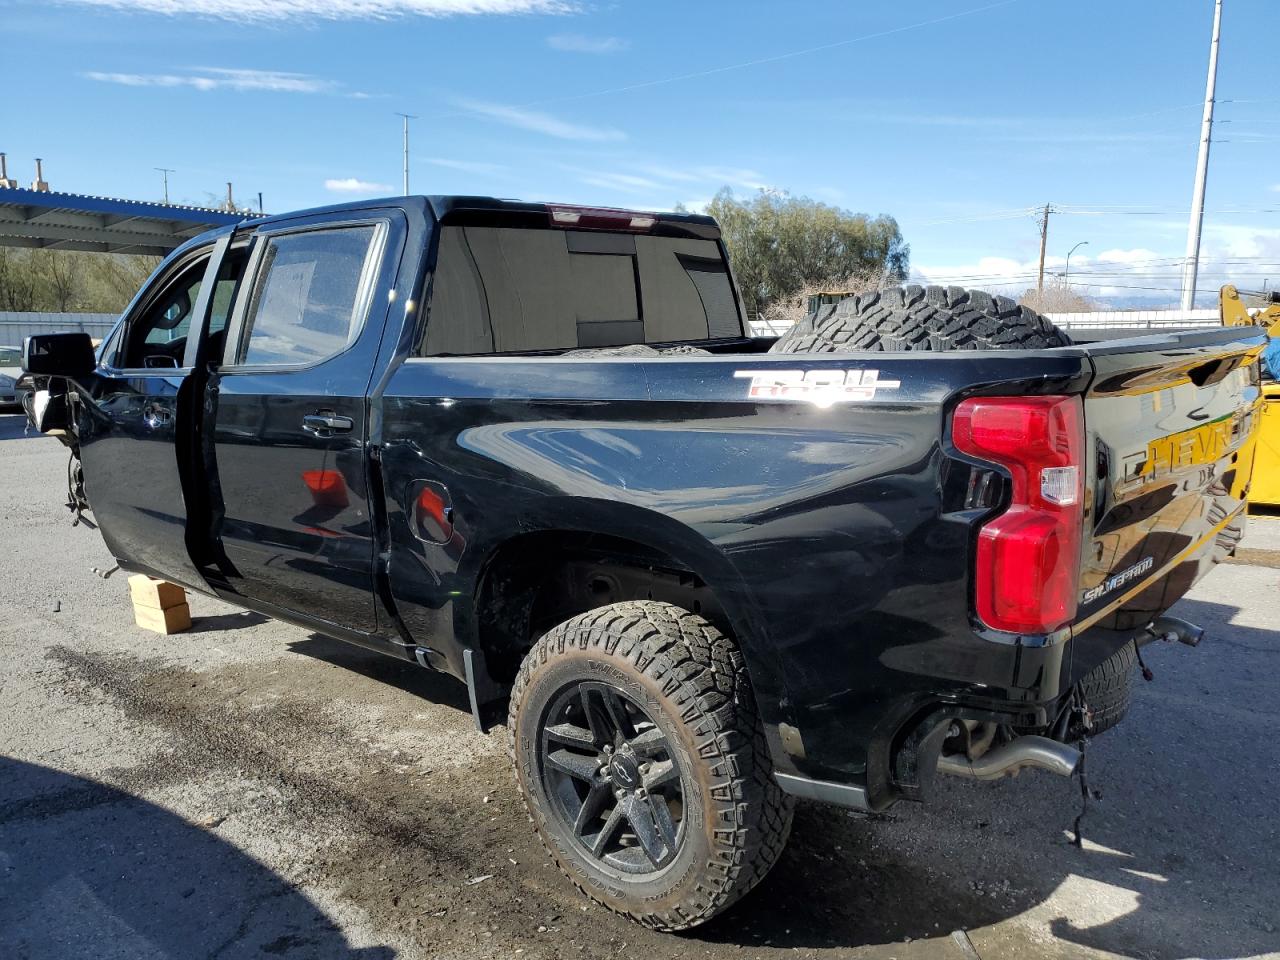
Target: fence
{"x":16,"y":327}
{"x":1138,"y":319}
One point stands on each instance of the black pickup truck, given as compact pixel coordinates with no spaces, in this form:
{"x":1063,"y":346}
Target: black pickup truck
{"x":535,"y":447}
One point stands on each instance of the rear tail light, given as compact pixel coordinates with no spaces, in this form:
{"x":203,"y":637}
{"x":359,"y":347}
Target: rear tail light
{"x":1028,"y":563}
{"x":602,"y":218}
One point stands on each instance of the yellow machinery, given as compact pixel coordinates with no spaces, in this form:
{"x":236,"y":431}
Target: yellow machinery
{"x":1265,"y":489}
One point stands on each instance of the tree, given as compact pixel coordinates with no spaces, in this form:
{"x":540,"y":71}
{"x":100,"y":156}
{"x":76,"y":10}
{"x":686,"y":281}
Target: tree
{"x":1057,"y":298}
{"x":116,"y":278}
{"x":69,"y":281}
{"x":780,"y":244}
{"x":18,"y":288}
{"x":60,"y":275}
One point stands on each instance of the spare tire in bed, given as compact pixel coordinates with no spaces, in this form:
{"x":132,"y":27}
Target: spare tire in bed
{"x":921,"y":318}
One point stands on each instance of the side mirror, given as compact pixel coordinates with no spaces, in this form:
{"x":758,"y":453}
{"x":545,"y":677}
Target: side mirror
{"x":59,"y":355}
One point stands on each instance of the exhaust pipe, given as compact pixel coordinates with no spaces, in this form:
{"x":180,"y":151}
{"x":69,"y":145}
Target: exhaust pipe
{"x":1173,"y":628}
{"x":1007,"y":760}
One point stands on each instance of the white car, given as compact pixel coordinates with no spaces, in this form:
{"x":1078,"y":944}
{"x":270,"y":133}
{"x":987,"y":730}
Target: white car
{"x":10,"y":371}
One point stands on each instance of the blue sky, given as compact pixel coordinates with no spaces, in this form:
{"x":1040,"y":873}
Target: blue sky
{"x":955,"y":117}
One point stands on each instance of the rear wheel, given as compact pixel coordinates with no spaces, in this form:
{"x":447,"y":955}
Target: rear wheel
{"x":643,"y":764}
{"x":922,"y":318}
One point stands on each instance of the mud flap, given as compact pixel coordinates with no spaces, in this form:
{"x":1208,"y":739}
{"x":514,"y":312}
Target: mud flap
{"x":481,"y":688}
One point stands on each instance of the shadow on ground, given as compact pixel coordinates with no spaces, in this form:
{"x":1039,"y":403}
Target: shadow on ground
{"x":90,"y":871}
{"x":13,"y":426}
{"x":240,"y":620}
{"x":409,"y":677}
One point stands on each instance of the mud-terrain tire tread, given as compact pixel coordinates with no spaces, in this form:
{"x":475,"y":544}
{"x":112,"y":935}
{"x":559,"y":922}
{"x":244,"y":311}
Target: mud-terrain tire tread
{"x":1108,"y":688}
{"x":703,"y":672}
{"x":922,"y":318}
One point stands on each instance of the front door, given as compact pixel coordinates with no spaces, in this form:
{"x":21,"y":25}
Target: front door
{"x":287,"y":420}
{"x":133,"y":446}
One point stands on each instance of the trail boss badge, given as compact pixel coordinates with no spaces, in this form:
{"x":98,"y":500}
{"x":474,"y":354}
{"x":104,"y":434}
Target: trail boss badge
{"x":820,"y":387}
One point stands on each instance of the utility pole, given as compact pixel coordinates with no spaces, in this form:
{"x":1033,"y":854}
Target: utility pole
{"x":165,"y":171}
{"x":1191,"y":265}
{"x":407,"y":117}
{"x":1044,"y":239}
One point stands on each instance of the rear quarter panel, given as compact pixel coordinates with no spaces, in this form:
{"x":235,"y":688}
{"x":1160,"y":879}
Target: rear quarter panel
{"x":827,"y":532}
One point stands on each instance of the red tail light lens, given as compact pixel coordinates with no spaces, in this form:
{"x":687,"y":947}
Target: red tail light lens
{"x":1028,"y":564}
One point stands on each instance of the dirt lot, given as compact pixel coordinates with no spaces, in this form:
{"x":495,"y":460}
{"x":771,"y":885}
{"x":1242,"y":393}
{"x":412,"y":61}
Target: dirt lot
{"x":250,"y":789}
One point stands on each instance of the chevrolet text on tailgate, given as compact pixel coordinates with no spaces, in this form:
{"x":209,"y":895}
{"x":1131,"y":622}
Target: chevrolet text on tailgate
{"x":534,"y":447}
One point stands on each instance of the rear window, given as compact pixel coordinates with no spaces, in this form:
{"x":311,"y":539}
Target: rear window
{"x":502,"y":290}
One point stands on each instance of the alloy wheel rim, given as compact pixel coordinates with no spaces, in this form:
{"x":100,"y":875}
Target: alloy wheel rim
{"x":613,"y":778}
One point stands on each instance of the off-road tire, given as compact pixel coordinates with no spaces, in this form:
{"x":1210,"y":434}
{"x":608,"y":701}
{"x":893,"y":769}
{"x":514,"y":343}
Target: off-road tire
{"x":1108,"y":688}
{"x":693,"y":683}
{"x":921,"y":318}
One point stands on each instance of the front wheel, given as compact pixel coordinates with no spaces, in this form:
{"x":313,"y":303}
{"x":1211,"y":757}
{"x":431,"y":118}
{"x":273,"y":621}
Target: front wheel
{"x":643,"y":764}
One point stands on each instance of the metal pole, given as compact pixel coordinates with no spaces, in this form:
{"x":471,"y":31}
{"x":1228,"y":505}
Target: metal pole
{"x":1066,"y":273}
{"x":407,"y":117}
{"x":165,"y":171}
{"x":1191,"y":265}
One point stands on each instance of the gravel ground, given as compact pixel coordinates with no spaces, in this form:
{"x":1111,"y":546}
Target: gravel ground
{"x":249,"y":789}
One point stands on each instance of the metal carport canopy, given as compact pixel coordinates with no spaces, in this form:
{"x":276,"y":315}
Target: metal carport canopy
{"x":69,"y":221}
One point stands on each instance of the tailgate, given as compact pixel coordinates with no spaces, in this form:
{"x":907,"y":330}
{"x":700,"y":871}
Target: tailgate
{"x":1171,"y":425}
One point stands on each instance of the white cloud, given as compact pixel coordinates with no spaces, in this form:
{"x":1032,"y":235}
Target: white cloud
{"x":1136,"y":254}
{"x":258,"y":10}
{"x":220,"y":78}
{"x":468,"y":166}
{"x":669,"y":173}
{"x":539,"y":122}
{"x":577,"y":43}
{"x":1236,"y":254}
{"x":1238,"y":240}
{"x":738,"y":177}
{"x":352,"y":185}
{"x":613,"y":180}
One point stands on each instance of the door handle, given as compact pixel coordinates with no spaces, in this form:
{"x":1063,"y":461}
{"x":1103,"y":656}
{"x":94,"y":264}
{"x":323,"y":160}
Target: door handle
{"x":155,"y":415}
{"x":324,"y":423}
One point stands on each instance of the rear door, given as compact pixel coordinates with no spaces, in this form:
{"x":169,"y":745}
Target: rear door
{"x":287,"y":418}
{"x":133,"y":451}
{"x":1172,"y":429}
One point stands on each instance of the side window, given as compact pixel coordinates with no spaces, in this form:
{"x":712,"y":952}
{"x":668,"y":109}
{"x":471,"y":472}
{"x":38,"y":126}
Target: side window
{"x":309,"y":297}
{"x":157,"y":337}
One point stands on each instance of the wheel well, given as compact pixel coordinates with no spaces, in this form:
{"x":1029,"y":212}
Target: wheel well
{"x":538,"y":580}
